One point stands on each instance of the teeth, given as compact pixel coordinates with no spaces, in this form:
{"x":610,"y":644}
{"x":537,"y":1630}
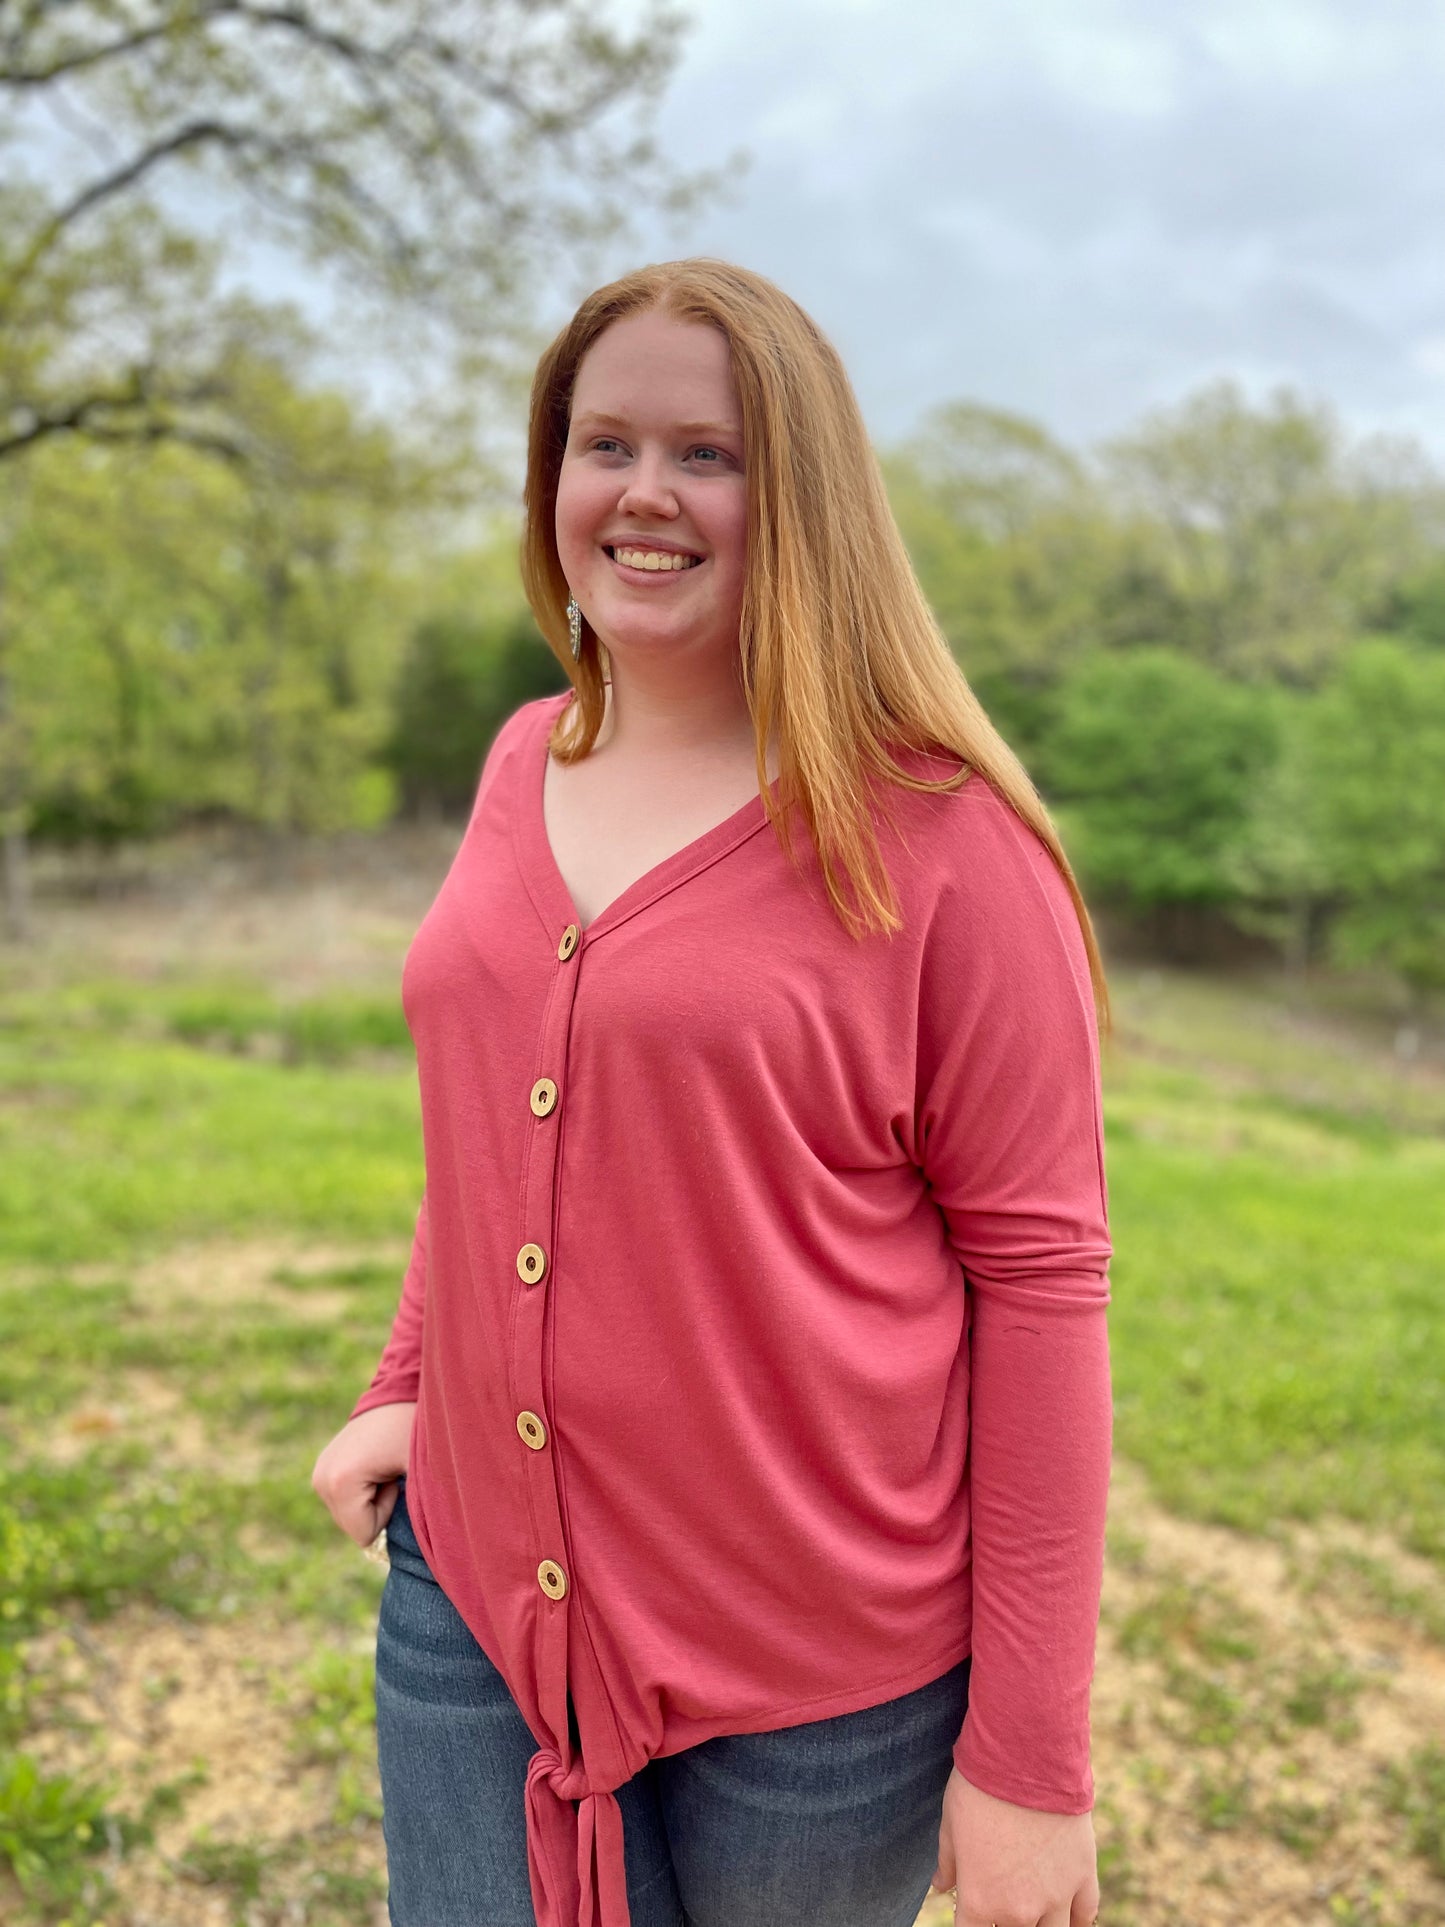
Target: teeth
{"x":653,"y":559}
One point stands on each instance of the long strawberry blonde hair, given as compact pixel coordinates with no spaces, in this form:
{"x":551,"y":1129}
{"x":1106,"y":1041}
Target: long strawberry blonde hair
{"x":841,"y":655}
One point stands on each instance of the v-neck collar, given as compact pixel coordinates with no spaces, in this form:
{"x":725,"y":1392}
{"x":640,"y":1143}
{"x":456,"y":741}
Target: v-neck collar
{"x":545,"y":882}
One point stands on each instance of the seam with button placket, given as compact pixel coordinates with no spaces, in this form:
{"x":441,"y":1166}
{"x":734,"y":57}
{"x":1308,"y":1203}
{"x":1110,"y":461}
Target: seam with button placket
{"x":558,"y":1120}
{"x":539,"y":1514}
{"x":576,"y":1600}
{"x":514,"y":1394}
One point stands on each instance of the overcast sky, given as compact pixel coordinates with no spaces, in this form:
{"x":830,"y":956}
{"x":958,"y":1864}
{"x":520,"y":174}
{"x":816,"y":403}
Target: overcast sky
{"x":1078,"y":209}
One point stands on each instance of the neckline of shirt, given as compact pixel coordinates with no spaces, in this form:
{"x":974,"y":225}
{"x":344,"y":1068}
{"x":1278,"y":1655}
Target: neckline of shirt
{"x":549,"y":888}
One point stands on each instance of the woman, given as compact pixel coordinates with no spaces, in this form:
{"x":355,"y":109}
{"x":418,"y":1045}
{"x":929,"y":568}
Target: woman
{"x":742,"y":1440}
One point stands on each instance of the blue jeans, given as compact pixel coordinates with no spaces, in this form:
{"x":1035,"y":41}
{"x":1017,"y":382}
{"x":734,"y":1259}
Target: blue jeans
{"x":834,"y":1821}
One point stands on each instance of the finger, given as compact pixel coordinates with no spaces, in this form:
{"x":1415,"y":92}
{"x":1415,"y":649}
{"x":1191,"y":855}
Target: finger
{"x":945,"y":1872}
{"x":366,"y":1510}
{"x":385,"y":1504}
{"x":1085,"y":1910}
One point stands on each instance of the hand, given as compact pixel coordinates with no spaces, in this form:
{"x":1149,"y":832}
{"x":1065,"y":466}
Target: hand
{"x":1015,"y":1866}
{"x":356,"y":1474}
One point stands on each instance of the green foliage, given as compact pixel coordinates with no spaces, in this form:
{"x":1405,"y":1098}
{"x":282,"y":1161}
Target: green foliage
{"x":160,"y":1141}
{"x":255,"y":1876}
{"x":461,"y":678}
{"x":1416,"y":1790}
{"x":234,"y":1017}
{"x":1304,"y":1826}
{"x":181,"y":641}
{"x":315,"y":1030}
{"x":238,"y":1864}
{"x":337,"y":1726}
{"x":1276,"y":540}
{"x":1415,"y":606}
{"x":1377,"y":755}
{"x":1324,"y":1695}
{"x":1284,"y":883}
{"x":341,"y":1692}
{"x":105,"y":1531}
{"x":1277,"y":1352}
{"x":1152,"y":756}
{"x":1181,"y":638}
{"x":1192,"y":1613}
{"x":51,"y":1827}
{"x":1223,"y":1801}
{"x":1345,"y":847}
{"x":1008,"y":541}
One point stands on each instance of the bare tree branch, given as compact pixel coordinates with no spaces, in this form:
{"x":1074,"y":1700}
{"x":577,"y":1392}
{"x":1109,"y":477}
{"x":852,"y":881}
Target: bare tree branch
{"x":20,"y":77}
{"x":101,"y":415}
{"x":83,"y":418}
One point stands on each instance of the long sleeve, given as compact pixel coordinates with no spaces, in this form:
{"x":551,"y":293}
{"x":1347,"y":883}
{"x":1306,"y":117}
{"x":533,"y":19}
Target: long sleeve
{"x":398,"y":1374}
{"x":1012,"y":1130}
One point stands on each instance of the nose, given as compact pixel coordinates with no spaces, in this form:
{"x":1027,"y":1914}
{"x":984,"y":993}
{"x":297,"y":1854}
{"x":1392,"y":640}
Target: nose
{"x":649,"y":490}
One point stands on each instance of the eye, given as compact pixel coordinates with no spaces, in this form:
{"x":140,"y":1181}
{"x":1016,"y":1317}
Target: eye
{"x":709,"y":451}
{"x":604,"y":442}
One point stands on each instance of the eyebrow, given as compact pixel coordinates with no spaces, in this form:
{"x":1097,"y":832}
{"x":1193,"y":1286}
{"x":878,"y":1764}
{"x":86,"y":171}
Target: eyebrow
{"x":596,"y":419}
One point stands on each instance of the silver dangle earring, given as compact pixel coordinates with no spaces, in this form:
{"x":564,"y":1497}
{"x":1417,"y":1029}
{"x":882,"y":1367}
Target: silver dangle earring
{"x":574,"y":626}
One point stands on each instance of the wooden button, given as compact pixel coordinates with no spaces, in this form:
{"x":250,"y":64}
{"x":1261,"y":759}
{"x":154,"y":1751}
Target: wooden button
{"x":531,"y":1263}
{"x":552,"y":1579}
{"x":544,"y":1096}
{"x":533,"y":1431}
{"x":569,"y":941}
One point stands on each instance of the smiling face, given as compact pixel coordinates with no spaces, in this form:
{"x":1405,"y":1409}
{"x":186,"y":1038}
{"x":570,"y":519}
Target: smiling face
{"x":653,"y":472}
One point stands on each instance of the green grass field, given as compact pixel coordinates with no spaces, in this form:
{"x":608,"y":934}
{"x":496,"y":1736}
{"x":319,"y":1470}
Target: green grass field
{"x":1276,"y":1186}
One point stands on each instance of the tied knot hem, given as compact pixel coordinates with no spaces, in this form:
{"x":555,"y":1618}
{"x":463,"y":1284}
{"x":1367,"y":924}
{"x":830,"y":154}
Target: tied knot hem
{"x":574,"y":1847}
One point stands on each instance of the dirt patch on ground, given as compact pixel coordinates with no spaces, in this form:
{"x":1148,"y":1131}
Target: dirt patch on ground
{"x":227,"y":1272}
{"x":165,"y":1697}
{"x":206,"y":1717}
{"x":144,"y":1405}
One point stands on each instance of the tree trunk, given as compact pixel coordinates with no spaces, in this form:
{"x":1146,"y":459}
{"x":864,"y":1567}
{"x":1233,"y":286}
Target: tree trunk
{"x":14,"y":849}
{"x":16,"y":864}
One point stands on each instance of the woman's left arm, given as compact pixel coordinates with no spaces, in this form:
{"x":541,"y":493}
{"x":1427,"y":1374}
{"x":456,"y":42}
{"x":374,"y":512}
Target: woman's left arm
{"x":1011,"y":1132}
{"x":1016,"y":1837}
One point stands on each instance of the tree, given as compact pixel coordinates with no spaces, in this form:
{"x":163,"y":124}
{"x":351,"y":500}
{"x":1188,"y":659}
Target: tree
{"x":435,"y":161}
{"x":462,"y":676}
{"x":1415,"y":606}
{"x":1271,"y":538}
{"x":189,"y":639}
{"x":1152,"y":759}
{"x":1287,"y":884}
{"x":1003,"y":529}
{"x":991,"y":471}
{"x":1376,"y":751}
{"x":437,"y":158}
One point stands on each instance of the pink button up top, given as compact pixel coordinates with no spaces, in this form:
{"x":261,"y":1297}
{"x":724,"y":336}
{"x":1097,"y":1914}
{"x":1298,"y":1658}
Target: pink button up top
{"x":761,"y":1365}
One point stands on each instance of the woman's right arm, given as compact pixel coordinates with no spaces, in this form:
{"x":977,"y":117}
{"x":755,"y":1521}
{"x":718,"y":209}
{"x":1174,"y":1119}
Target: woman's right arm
{"x":356,"y":1475}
